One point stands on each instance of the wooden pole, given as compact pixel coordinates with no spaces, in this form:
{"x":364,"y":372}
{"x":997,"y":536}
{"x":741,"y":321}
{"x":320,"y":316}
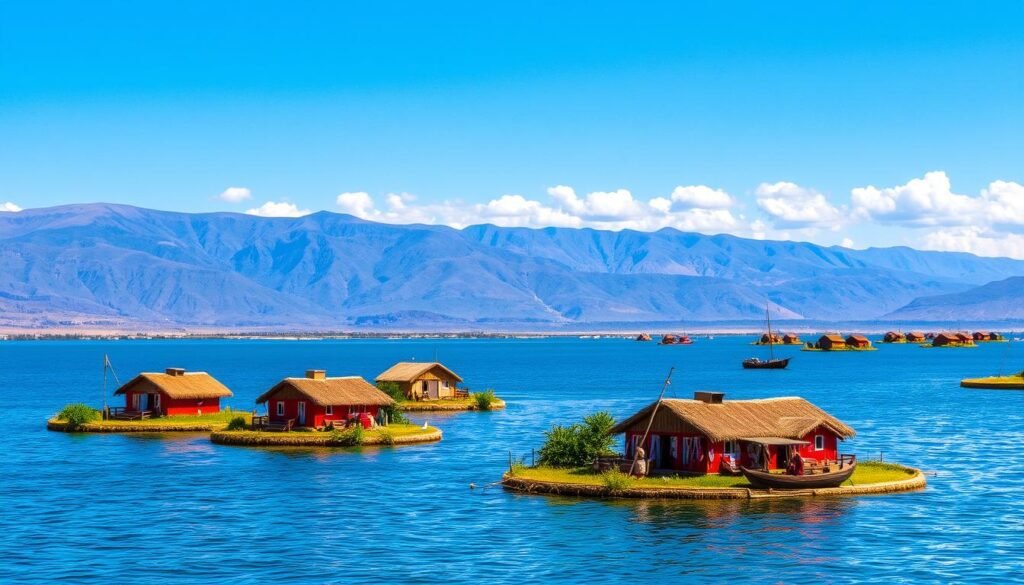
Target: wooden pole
{"x":650,"y":422}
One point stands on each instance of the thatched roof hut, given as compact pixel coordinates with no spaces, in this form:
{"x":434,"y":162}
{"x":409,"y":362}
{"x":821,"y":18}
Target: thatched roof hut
{"x":831,"y":341}
{"x":788,"y":417}
{"x":915,"y":336}
{"x":773,"y":338}
{"x":791,"y":339}
{"x":894,"y":337}
{"x":422,"y":380}
{"x":173,"y":392}
{"x":858,"y":341}
{"x":323,"y":391}
{"x":176,"y":383}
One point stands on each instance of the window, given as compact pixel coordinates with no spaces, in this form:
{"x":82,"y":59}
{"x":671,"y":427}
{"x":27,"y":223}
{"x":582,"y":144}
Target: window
{"x":819,"y":442}
{"x":329,"y":410}
{"x":445,"y":383}
{"x":280,"y":409}
{"x":730,"y":447}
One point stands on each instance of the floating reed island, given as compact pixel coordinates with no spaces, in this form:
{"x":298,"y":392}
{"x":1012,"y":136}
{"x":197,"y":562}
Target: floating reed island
{"x":708,"y":448}
{"x":1011,"y":382}
{"x":321,"y":411}
{"x":836,"y":342}
{"x":776,"y":339}
{"x":432,"y":386}
{"x":949,"y":339}
{"x":174,"y":401}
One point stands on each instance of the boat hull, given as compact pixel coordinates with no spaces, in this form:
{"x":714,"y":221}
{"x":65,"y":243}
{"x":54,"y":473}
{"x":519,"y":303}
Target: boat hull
{"x":763,"y":479}
{"x":756,"y":364}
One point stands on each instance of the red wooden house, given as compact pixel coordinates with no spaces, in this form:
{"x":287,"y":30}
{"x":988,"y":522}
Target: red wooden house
{"x":858,"y":341}
{"x":317,"y":401}
{"x":698,"y":435}
{"x":831,"y":341}
{"x":174,"y":392}
{"x":791,"y":339}
{"x":915,"y":337}
{"x":946,"y":339}
{"x":894,"y":337}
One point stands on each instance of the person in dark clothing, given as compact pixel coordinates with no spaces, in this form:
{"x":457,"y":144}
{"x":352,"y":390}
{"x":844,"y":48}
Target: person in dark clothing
{"x":796,"y":465}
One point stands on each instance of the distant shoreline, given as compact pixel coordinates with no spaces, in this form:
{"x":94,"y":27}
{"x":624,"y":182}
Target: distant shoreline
{"x":623,"y":331}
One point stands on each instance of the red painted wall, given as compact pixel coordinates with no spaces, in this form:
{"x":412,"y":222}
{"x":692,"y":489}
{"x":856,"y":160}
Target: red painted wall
{"x":176,"y":407}
{"x":316,"y":415}
{"x":704,"y":464}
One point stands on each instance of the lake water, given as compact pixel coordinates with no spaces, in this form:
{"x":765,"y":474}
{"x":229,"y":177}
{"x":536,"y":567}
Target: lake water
{"x":142,"y":509}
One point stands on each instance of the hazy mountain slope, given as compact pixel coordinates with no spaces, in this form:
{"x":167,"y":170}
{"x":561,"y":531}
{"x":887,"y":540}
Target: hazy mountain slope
{"x":114,"y":262}
{"x":999,"y":300}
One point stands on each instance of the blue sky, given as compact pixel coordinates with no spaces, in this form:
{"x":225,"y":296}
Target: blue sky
{"x":760,"y":119}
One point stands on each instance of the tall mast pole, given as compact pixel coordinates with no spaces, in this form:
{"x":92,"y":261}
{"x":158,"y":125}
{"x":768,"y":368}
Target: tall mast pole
{"x":650,"y":421}
{"x":771,"y":341}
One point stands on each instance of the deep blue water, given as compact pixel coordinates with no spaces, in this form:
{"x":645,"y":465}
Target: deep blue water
{"x":133,"y":509}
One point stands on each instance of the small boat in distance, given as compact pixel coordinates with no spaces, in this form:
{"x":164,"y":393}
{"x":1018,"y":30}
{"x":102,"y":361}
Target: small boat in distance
{"x":772,"y":363}
{"x":830,"y":476}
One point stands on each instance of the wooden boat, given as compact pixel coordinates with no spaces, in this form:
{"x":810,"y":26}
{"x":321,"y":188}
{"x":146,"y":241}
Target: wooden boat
{"x":772,"y":363}
{"x":769,"y":364}
{"x":781,"y":481}
{"x":684,"y":340}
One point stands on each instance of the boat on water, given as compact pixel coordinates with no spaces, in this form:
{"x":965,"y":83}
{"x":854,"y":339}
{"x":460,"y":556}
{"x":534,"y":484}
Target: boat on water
{"x":772,"y":363}
{"x":769,"y":364}
{"x":829,"y":476}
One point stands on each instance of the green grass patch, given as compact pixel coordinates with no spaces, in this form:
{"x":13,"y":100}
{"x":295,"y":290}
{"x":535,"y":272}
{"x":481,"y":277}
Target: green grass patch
{"x":222,"y":418}
{"x":868,"y":472}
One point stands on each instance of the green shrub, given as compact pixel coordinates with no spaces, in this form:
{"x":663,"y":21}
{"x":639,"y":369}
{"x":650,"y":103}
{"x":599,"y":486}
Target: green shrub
{"x":615,"y":480}
{"x":351,"y":436}
{"x":578,"y":444}
{"x":393,"y":413}
{"x":78,"y":414}
{"x":393,"y":390}
{"x":386,"y":436}
{"x":237,"y":424}
{"x":484,"y":400}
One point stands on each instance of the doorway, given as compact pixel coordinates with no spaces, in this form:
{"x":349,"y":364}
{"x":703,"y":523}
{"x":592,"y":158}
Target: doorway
{"x":302,"y":414}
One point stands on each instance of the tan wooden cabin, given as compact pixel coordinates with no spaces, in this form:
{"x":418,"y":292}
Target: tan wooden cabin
{"x":422,"y":380}
{"x":831,"y":341}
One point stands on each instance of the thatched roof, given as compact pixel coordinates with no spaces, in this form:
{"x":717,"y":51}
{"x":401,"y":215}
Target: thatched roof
{"x":341,"y":391}
{"x":182,"y":384}
{"x":410,"y":371}
{"x":790,"y":418}
{"x":857,"y":339}
{"x":833,"y":337}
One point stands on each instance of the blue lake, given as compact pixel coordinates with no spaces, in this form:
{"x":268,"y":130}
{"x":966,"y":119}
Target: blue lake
{"x":138,"y":509}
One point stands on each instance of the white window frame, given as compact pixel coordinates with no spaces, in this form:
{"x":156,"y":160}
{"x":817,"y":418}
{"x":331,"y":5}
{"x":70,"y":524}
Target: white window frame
{"x":819,"y":439}
{"x":329,"y":410}
{"x":280,"y":408}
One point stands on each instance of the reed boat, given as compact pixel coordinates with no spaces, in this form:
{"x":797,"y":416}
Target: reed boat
{"x":846,"y":465}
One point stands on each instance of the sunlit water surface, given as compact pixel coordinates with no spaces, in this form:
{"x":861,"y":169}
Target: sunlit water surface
{"x":144,"y":509}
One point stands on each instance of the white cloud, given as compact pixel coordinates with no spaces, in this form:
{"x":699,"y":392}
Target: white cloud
{"x":793,"y":206}
{"x":846,"y":243}
{"x":976,"y":240}
{"x":928,"y":201}
{"x":278,"y":209}
{"x":701,"y":196}
{"x":235,"y":194}
{"x":9,"y":206}
{"x":357,"y":203}
{"x":1003,"y":204}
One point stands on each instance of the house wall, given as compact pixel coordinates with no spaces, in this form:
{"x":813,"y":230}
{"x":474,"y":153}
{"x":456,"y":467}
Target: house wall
{"x":705,"y":464}
{"x":173,"y":407}
{"x":316,"y":415}
{"x":414,"y":389}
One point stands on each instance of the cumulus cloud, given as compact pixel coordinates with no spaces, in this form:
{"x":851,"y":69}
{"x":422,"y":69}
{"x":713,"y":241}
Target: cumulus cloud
{"x":1003,"y":205}
{"x":688,"y":208}
{"x":9,"y":206}
{"x":976,"y":240}
{"x":928,"y":201}
{"x":791,"y":206}
{"x":278,"y":209}
{"x":235,"y":194}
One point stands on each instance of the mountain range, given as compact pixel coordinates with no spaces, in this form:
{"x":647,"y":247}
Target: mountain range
{"x":116,"y":265}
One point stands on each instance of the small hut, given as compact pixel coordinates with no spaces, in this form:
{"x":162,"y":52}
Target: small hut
{"x":174,"y":392}
{"x":643,"y":337}
{"x":422,"y":380}
{"x":317,"y":401}
{"x":831,"y":341}
{"x":915,"y":337}
{"x":699,"y":435}
{"x":951,"y":339}
{"x":770,"y":338}
{"x":858,"y":342}
{"x":791,"y":339}
{"x":964,"y":338}
{"x":981,"y":336}
{"x":668,"y":339}
{"x":894,"y":337}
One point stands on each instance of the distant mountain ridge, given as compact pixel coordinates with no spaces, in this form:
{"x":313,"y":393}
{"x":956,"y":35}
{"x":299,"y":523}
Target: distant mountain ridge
{"x":105,"y":263}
